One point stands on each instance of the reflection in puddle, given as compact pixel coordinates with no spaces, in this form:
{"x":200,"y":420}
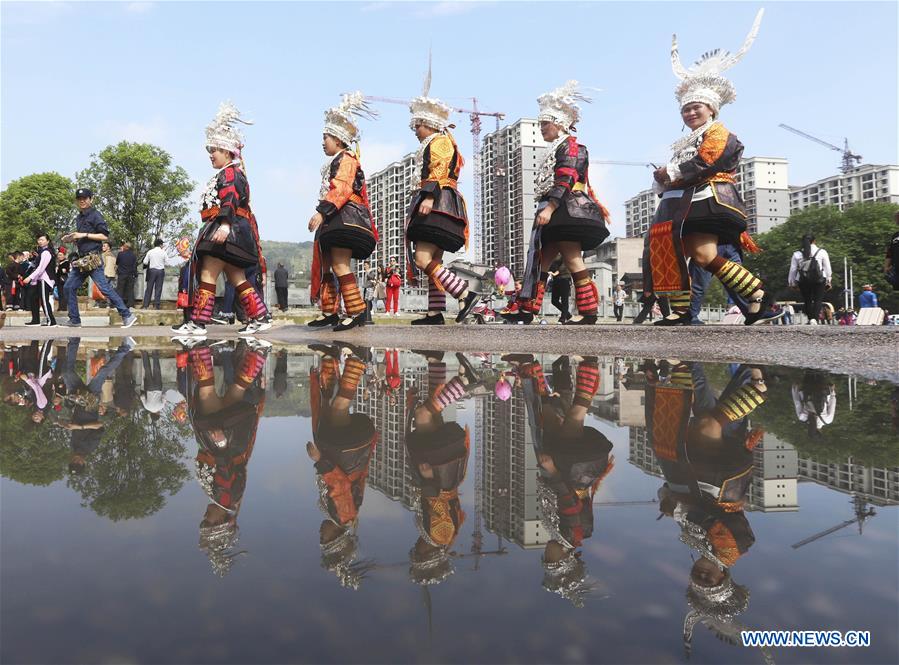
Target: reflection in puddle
{"x":650,"y":497}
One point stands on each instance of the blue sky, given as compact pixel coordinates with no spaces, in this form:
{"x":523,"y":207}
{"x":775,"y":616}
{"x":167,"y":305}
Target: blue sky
{"x":79,"y":76}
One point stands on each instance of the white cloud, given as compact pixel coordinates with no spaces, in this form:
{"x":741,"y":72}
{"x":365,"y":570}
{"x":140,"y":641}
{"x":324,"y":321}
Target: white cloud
{"x":154,"y":131}
{"x":447,"y":8}
{"x":139,"y":7}
{"x":35,"y":13}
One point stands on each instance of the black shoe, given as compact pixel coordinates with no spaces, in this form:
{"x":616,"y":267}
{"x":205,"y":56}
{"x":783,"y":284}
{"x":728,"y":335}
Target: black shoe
{"x":324,"y":322}
{"x":32,"y":323}
{"x":436,"y":356}
{"x":362,"y":353}
{"x":586,"y":320}
{"x":467,"y":305}
{"x":468,"y":372}
{"x":434,"y":320}
{"x":524,"y":317}
{"x":762,"y":316}
{"x":519,"y":358}
{"x":674,"y":320}
{"x":350,"y":322}
{"x":326,"y":349}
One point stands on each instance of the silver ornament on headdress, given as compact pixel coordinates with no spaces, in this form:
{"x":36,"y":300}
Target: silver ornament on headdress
{"x":716,"y":608}
{"x":222,"y":133}
{"x":339,"y":557}
{"x":341,"y":120}
{"x":704,"y":80}
{"x":560,"y":106}
{"x":696,"y":538}
{"x":429,"y":111}
{"x":218,"y":543}
{"x":548,"y":511}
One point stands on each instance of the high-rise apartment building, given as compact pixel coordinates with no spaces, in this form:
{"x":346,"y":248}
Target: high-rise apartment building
{"x":866,"y":184}
{"x":510,"y":157}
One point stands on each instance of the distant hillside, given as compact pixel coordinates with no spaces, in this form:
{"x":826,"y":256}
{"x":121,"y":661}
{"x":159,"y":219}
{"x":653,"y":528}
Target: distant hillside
{"x":296,"y":257}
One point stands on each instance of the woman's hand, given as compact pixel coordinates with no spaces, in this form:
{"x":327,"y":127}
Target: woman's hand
{"x":315,"y":221}
{"x":426,"y":206}
{"x":546,"y":214}
{"x":221,"y":234}
{"x":661,"y":175}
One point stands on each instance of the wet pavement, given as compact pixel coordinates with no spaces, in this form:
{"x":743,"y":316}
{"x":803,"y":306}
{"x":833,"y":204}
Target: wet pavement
{"x":227,"y":501}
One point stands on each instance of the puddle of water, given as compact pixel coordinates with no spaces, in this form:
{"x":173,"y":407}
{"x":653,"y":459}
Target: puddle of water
{"x":235,"y":503}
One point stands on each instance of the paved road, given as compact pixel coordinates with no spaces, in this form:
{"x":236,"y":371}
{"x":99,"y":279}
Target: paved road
{"x":871,"y":352}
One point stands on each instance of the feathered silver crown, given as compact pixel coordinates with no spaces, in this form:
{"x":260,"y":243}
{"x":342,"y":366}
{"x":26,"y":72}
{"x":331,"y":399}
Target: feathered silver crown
{"x":432,"y":568}
{"x":218,"y":543}
{"x":704,"y":81}
{"x":222,"y":133}
{"x":341,"y":120}
{"x":561,"y":105}
{"x":429,"y":111}
{"x":339,"y":557}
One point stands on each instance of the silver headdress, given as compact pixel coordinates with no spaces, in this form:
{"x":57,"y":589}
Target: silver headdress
{"x":218,"y":543}
{"x":221,"y":132}
{"x":339,"y":557}
{"x":717,"y":608}
{"x":567,"y":577}
{"x":561,"y":105}
{"x":704,"y":81}
{"x":341,"y":120}
{"x":429,"y":111}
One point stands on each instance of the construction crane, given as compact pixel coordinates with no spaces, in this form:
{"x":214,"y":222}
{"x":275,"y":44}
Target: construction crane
{"x":862,"y":515}
{"x":474,"y":115}
{"x":850,"y":159}
{"x":613,"y":162}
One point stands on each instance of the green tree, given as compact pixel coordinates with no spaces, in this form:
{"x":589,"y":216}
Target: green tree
{"x":860,"y":233}
{"x":35,"y":454}
{"x":137,"y":464}
{"x":37,"y":203}
{"x":140,"y":192}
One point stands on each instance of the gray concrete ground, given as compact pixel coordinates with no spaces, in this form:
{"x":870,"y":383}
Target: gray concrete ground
{"x":871,"y":352}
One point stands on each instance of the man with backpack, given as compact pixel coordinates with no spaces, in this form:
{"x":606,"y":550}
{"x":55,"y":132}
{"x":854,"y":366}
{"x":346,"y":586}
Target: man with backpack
{"x":810,"y":272}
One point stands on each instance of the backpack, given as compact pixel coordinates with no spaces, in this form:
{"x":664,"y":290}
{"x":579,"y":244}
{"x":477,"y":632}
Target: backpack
{"x":810,"y":270}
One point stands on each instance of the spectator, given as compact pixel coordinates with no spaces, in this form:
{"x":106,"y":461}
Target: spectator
{"x":369,"y":283}
{"x":42,"y":278}
{"x":126,"y":273}
{"x":394,"y":282}
{"x":891,"y":263}
{"x":63,"y":266}
{"x":154,"y":261}
{"x":26,"y":265}
{"x":788,"y":314}
{"x":281,"y":278}
{"x":620,"y":295}
{"x":810,"y":272}
{"x":700,"y":279}
{"x":10,"y":283}
{"x":381,"y":289}
{"x":867,"y":298}
{"x":91,"y":230}
{"x":109,"y":268}
{"x":561,"y":289}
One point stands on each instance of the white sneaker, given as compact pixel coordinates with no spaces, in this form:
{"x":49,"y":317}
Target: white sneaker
{"x":263,"y":325}
{"x":190,"y":328}
{"x":251,"y":328}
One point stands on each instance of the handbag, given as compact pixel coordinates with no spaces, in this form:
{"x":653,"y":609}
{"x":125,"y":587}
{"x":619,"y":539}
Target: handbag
{"x":183,"y":299}
{"x":88,"y":262}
